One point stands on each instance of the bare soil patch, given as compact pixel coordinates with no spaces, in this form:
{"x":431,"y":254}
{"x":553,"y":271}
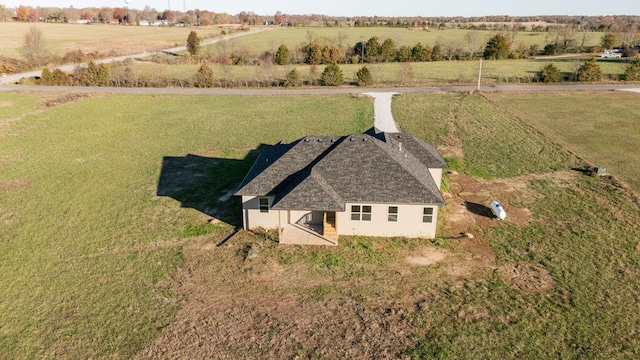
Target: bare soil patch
{"x":235,"y":306}
{"x":13,"y":184}
{"x":469,"y":199}
{"x":260,"y":309}
{"x":65,"y":98}
{"x":530,"y":278}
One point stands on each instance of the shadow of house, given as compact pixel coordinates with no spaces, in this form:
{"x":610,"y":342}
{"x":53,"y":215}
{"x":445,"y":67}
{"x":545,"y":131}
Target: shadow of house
{"x":479,"y":209}
{"x":206,"y":184}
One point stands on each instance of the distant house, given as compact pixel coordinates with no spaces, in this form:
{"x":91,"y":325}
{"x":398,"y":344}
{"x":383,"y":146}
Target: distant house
{"x":319,"y":187}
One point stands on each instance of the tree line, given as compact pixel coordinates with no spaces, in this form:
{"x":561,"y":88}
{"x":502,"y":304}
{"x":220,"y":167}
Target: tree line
{"x":618,"y":23}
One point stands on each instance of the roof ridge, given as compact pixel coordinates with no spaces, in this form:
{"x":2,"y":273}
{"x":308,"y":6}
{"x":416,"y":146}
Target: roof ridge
{"x":403,"y":161}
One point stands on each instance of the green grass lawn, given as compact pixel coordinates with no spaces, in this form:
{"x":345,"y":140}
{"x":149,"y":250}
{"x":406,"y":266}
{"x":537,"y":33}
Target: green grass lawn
{"x":93,"y":261}
{"x":603,"y":127}
{"x":87,"y":249}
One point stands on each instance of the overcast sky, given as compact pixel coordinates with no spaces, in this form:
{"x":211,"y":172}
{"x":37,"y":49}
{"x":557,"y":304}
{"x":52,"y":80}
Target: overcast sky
{"x":369,"y":7}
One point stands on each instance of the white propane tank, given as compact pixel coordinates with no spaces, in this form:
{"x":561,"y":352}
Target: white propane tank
{"x":498,"y":211}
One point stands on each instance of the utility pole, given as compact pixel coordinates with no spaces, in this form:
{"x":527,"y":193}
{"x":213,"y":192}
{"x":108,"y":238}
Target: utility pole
{"x":479,"y":74}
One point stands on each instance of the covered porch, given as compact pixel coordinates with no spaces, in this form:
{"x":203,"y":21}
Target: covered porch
{"x":313,"y":228}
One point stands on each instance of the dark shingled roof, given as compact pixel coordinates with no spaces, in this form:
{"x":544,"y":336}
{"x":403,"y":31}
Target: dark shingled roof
{"x":324,"y":172}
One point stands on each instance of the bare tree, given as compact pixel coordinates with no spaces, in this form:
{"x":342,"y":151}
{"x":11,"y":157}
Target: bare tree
{"x":474,"y":40}
{"x":3,"y":13}
{"x":33,"y":47}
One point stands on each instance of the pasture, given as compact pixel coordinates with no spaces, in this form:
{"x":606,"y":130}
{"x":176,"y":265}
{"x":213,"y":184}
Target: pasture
{"x":384,"y":74}
{"x":296,"y":37}
{"x":121,"y":40}
{"x":111,"y":207}
{"x":61,"y":38}
{"x":603,"y":127}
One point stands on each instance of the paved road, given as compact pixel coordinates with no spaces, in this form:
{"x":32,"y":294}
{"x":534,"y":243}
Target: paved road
{"x":313,"y":91}
{"x":68,"y":68}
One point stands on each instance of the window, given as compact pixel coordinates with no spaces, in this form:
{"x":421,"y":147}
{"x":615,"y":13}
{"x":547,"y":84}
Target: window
{"x":360,"y":213}
{"x":393,"y":214}
{"x":366,"y":213}
{"x":355,"y":212}
{"x":264,"y":205}
{"x":427,"y":215}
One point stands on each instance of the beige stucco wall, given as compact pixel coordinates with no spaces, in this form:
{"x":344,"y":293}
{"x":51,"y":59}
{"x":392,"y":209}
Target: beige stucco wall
{"x":409,"y":222}
{"x":253,"y":218}
{"x":436,"y":174}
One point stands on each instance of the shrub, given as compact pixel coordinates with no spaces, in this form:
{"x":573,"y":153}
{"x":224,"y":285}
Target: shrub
{"x":204,"y":77}
{"x":549,"y":73}
{"x":364,"y":76}
{"x":47,"y":77}
{"x":292,"y":79}
{"x":332,"y":75}
{"x":589,"y":71}
{"x":550,"y":49}
{"x":93,"y":75}
{"x":632,"y":72}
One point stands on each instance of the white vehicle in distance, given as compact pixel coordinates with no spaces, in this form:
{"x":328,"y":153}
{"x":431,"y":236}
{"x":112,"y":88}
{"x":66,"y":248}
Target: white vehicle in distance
{"x":610,"y":54}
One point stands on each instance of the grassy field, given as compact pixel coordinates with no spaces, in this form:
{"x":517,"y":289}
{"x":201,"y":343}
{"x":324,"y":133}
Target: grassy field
{"x":61,"y":38}
{"x":389,"y":74}
{"x":86,"y":247}
{"x":96,"y":264}
{"x":584,"y":230}
{"x":294,"y":38}
{"x":603,"y":127}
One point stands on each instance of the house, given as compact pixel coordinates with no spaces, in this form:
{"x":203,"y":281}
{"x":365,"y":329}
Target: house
{"x":319,"y":187}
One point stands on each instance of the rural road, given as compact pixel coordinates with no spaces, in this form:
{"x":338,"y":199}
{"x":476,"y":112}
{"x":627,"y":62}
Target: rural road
{"x":68,"y":68}
{"x":312,"y":91}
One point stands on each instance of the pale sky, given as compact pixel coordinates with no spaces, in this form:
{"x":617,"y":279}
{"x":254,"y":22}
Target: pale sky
{"x":369,"y":7}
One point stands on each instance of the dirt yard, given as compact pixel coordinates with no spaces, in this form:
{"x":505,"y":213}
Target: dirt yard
{"x":259,"y":308}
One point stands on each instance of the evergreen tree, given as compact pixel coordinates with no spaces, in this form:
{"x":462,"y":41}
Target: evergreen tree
{"x":590,"y":71}
{"x":364,"y":76}
{"x":497,"y":48}
{"x":292,"y":79}
{"x":632,"y":72}
{"x":332,"y":75}
{"x":204,"y":77}
{"x":193,"y":44}
{"x":313,"y":54}
{"x":282,"y":55}
{"x":388,"y":50}
{"x":549,"y":73}
{"x":403,"y":54}
{"x":372,"y":49}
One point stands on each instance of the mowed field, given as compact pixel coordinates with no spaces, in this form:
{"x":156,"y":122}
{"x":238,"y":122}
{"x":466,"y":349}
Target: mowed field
{"x":111,"y":207}
{"x":122,"y":40}
{"x":296,"y":37}
{"x":603,"y":127}
{"x":435,"y":73}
